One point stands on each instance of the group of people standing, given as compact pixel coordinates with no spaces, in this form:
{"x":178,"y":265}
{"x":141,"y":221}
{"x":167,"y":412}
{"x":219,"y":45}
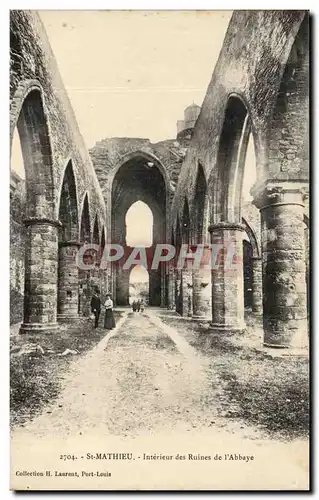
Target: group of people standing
{"x":109,"y":320}
{"x":138,"y":306}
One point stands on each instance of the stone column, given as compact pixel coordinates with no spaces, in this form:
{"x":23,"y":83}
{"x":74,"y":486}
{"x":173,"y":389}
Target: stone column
{"x":68,"y":281}
{"x":163,"y":286}
{"x":41,"y":275}
{"x":257,"y":285}
{"x":187,"y":293}
{"x":171,"y":288}
{"x":178,"y":291}
{"x":283,"y":260}
{"x":227,"y":277}
{"x":201,"y":293}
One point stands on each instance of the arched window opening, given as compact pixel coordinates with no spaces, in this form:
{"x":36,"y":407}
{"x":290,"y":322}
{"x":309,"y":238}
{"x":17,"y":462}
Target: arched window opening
{"x":200,"y":206}
{"x":85,"y":235}
{"x":139,"y":284}
{"x":139,"y":225}
{"x":96,"y":234}
{"x":68,"y":212}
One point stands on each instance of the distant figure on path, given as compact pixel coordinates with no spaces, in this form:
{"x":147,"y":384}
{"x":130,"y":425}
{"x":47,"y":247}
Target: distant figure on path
{"x":134,"y":306}
{"x":96,"y":307}
{"x":142,"y":306}
{"x":138,"y":305}
{"x":109,"y":321}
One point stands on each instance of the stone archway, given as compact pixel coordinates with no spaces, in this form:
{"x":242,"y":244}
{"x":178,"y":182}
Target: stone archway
{"x":201,"y":278}
{"x":85,"y":290}
{"x":281,"y":200}
{"x":186,"y":300}
{"x":227,"y":229}
{"x":68,"y":275}
{"x":139,"y":178}
{"x":139,"y":284}
{"x":41,"y":249}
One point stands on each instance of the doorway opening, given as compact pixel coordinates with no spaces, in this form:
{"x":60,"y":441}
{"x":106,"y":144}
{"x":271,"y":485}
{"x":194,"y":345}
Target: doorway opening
{"x":139,"y":285}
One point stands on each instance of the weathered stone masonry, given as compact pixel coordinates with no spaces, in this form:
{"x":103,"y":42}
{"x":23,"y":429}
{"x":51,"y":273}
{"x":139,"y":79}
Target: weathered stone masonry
{"x":50,"y":139}
{"x":192,"y":184}
{"x":259,"y":86}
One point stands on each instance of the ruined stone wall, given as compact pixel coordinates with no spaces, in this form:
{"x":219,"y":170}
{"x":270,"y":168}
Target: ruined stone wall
{"x":109,"y":154}
{"x":54,"y":142}
{"x":33,"y":63}
{"x":251,"y":65}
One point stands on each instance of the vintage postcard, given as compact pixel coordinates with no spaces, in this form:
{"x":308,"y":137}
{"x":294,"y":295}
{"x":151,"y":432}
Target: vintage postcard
{"x":159,"y":232}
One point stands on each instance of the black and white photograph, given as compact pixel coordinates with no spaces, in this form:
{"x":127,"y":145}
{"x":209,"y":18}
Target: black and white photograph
{"x":159,"y":250}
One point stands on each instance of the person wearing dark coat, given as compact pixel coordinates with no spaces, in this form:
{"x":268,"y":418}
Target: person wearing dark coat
{"x":109,"y":321}
{"x":134,"y":306}
{"x":96,"y":307}
{"x":138,"y":305}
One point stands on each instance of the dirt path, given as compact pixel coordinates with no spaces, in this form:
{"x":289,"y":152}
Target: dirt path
{"x":145,"y":381}
{"x":135,"y":380}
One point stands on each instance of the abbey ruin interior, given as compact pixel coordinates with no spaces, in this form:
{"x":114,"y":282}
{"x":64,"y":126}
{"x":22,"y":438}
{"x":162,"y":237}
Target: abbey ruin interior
{"x":256,"y":104}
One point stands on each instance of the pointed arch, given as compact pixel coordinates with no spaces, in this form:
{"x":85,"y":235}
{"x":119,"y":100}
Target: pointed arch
{"x":288,"y":129}
{"x":103,"y":238}
{"x":141,"y":234}
{"x":96,"y":231}
{"x":252,"y":238}
{"x":199,"y":206}
{"x":68,"y":205}
{"x":36,"y":149}
{"x":85,"y":228}
{"x":231,"y":160}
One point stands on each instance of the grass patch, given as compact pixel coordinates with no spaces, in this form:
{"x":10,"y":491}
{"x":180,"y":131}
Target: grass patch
{"x":270,"y":393}
{"x":35,"y":378}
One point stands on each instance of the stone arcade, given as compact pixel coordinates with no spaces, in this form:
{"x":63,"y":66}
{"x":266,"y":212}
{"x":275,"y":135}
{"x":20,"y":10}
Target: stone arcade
{"x":192,"y":184}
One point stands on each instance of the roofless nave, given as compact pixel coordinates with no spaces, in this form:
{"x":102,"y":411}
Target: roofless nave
{"x":192,"y":184}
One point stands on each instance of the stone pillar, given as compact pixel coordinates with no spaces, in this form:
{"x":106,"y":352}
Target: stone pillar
{"x":187,"y":293}
{"x":68,"y":281}
{"x":171,"y":289}
{"x":227,"y":277}
{"x":178,"y":291}
{"x":122,"y":286}
{"x":163,"y":286}
{"x":257,"y":286}
{"x":283,"y":260}
{"x":201,"y":293}
{"x":41,"y":275}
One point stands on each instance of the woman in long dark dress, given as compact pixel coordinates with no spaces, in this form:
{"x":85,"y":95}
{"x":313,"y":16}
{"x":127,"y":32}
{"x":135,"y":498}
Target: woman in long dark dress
{"x":109,"y":321}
